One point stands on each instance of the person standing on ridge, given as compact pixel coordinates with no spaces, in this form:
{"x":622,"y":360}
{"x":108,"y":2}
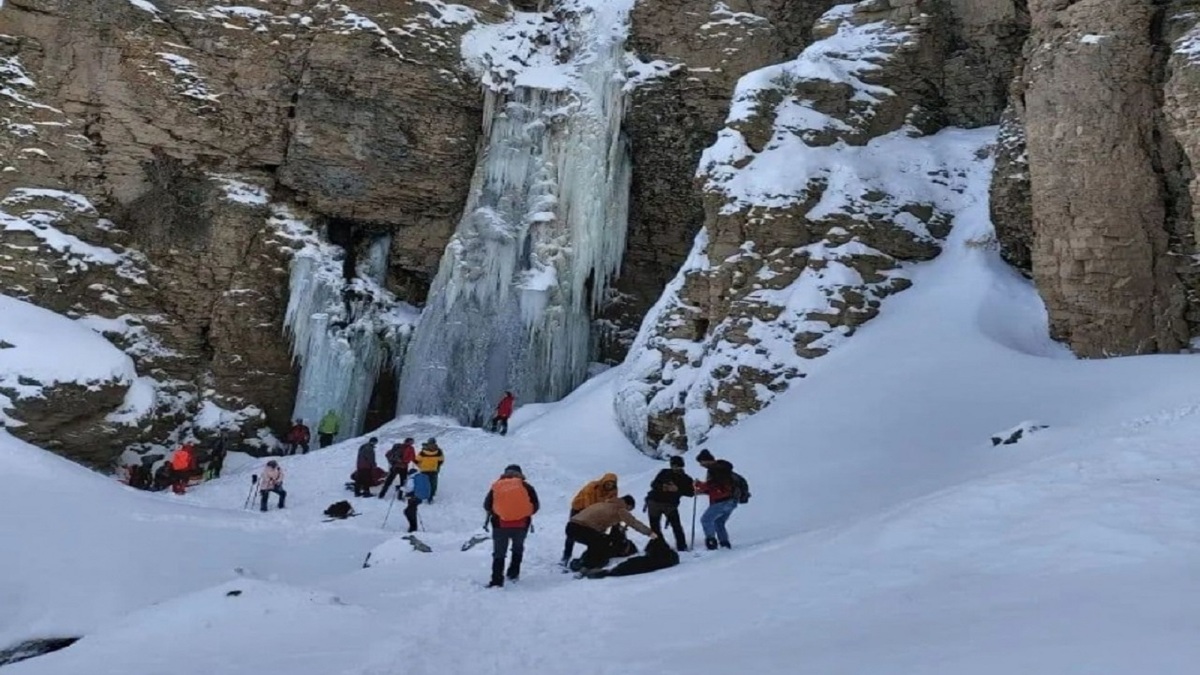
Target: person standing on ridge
{"x":590,"y":528}
{"x":719,"y":485}
{"x":328,"y":428}
{"x":504,"y":410}
{"x":429,"y":463}
{"x":601,"y":489}
{"x":418,"y":491}
{"x":663,"y":500}
{"x":271,"y":481}
{"x":298,"y":438}
{"x":398,"y":458}
{"x":510,"y":504}
{"x":364,"y":468}
{"x":183,"y":463}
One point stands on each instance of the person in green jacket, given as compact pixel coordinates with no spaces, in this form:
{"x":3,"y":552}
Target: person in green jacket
{"x":328,"y":428}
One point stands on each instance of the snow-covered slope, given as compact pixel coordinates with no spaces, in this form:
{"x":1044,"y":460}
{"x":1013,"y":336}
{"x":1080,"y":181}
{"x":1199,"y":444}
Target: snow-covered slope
{"x":885,"y":535}
{"x":39,"y":349}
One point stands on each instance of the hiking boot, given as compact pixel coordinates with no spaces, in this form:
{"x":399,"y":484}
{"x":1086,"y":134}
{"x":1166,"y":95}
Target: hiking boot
{"x":725,"y":544}
{"x":496,"y":583}
{"x":682,"y":548}
{"x":710,"y":543}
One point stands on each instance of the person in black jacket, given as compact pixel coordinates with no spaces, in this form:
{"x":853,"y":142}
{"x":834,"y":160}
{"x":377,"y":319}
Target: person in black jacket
{"x":510,"y":505}
{"x":667,"y":488}
{"x":658,"y":556}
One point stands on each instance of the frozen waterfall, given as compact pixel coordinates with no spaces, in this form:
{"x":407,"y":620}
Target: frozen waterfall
{"x":344,"y":332}
{"x":541,"y":237}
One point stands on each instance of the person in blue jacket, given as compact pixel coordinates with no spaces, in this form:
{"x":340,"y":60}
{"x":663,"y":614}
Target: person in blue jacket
{"x":419,"y":489}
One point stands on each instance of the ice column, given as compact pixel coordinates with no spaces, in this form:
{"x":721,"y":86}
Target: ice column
{"x":343,"y":332}
{"x":541,"y":237}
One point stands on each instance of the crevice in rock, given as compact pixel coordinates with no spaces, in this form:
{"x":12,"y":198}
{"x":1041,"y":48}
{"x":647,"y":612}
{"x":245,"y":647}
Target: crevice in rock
{"x":1175,"y":174}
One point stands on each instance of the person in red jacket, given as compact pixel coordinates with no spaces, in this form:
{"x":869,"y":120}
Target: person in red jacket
{"x":504,"y":410}
{"x":298,"y":438}
{"x":721,"y":503}
{"x":399,"y":457}
{"x":183,"y":464}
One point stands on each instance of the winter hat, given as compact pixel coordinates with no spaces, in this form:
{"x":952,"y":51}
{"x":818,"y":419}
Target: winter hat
{"x":705,"y":456}
{"x":408,"y":440}
{"x":272,"y":463}
{"x":514,"y":469}
{"x":629,"y":501}
{"x":431,"y":441}
{"x":677,"y":460}
{"x":373,"y":440}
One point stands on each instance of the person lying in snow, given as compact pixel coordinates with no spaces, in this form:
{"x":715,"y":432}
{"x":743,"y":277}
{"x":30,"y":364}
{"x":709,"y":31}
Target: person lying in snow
{"x":658,"y":556}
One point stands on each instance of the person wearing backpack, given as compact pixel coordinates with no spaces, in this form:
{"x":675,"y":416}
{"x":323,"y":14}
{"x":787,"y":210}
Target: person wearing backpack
{"x":429,"y":462}
{"x":297,"y":438}
{"x":596,"y":491}
{"x":418,"y":490}
{"x":722,"y":490}
{"x":271,"y":481}
{"x":510,"y":505}
{"x":398,"y":458}
{"x":667,"y":488}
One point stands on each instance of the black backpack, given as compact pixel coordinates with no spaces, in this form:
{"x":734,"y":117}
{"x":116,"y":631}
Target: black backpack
{"x":741,"y":489}
{"x":341,"y":509}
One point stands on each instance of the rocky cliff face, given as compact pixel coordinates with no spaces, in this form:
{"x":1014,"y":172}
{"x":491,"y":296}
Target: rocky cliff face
{"x":1093,"y":195}
{"x":147,"y":146}
{"x":807,"y":223}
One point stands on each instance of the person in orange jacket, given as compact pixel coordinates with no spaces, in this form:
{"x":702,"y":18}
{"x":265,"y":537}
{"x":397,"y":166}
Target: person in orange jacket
{"x":599,"y":490}
{"x":183,"y":464}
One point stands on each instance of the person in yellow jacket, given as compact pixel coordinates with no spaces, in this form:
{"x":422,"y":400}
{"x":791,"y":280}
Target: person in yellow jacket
{"x":600,"y":490}
{"x":429,"y":462}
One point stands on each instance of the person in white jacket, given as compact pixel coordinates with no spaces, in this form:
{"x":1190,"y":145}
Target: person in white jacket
{"x":272,"y":481}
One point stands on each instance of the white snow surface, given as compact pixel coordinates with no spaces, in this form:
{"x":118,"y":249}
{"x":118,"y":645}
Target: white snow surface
{"x":39,"y":348}
{"x":885,"y":534}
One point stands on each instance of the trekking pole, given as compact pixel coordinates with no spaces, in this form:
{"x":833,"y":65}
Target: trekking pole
{"x":391,"y":503}
{"x":250,"y":495}
{"x":692,"y":543}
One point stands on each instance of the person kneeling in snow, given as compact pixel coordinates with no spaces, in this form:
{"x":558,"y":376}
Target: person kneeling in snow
{"x":418,"y":490}
{"x":590,"y":527}
{"x":271,"y":481}
{"x":659,"y":556}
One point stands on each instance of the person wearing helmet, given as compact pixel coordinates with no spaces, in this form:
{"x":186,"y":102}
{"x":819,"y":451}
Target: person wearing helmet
{"x":510,"y":505}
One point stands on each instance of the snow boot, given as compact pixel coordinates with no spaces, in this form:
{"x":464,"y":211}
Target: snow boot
{"x":725,"y":544}
{"x":496,"y":583}
{"x":710,"y":543}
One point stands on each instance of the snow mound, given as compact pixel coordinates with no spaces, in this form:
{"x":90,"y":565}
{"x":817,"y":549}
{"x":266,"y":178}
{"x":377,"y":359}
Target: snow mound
{"x":40,"y":349}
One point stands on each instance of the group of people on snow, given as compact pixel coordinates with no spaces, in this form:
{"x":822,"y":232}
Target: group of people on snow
{"x":599,"y":518}
{"x":191,"y":461}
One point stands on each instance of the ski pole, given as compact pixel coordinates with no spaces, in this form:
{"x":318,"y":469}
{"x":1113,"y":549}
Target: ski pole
{"x":250,"y":495}
{"x":693,"y":541}
{"x":391,"y":503}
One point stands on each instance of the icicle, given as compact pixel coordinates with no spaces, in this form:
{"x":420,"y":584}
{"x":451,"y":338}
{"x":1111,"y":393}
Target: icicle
{"x":343,"y":332}
{"x":540,"y":240}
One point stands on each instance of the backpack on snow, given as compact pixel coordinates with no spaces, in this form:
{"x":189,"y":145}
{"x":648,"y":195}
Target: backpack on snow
{"x":510,"y":500}
{"x":341,"y":510}
{"x":741,"y":489}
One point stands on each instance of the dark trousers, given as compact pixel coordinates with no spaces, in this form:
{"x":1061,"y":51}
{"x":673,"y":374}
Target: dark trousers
{"x":362,"y":482}
{"x":266,"y":493}
{"x":432,"y":476}
{"x":324,"y":440}
{"x":501,"y":537}
{"x":387,"y":482}
{"x":598,"y":553}
{"x":410,"y":512}
{"x":500,"y":424}
{"x":657,"y":511}
{"x":292,"y":447}
{"x":569,"y":546}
